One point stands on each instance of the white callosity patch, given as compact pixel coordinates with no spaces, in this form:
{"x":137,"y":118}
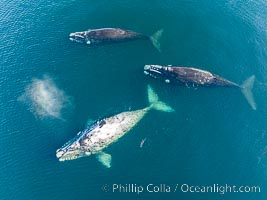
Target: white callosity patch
{"x":45,"y":98}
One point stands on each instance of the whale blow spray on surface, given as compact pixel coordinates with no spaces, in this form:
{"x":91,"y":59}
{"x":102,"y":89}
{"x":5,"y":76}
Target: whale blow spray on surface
{"x":45,"y":98}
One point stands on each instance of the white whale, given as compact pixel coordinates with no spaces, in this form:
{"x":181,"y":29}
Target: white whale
{"x":97,"y":137}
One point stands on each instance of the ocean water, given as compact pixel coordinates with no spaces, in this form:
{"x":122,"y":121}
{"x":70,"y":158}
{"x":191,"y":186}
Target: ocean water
{"x":51,"y":87}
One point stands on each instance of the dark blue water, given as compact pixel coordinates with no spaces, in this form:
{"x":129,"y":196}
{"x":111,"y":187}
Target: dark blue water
{"x":50,"y":88}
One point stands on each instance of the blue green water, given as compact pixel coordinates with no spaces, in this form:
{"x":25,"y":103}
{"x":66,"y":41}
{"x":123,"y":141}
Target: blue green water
{"x":213,"y":137}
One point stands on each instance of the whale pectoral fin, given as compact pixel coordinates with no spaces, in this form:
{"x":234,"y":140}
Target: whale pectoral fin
{"x":104,"y":158}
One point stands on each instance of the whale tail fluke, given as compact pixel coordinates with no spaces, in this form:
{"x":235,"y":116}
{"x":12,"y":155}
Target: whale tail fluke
{"x":156,"y":103}
{"x":155,"y":39}
{"x":246,"y":89}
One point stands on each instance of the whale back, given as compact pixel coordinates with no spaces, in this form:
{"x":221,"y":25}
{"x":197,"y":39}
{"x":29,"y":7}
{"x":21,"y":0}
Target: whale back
{"x":194,"y":76}
{"x":113,"y":34}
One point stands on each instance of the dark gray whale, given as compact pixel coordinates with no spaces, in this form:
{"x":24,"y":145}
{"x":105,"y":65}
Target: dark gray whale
{"x":112,"y":35}
{"x":196,"y":77}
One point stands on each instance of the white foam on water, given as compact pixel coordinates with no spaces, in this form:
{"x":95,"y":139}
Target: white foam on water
{"x":45,"y":98}
{"x":104,"y":159}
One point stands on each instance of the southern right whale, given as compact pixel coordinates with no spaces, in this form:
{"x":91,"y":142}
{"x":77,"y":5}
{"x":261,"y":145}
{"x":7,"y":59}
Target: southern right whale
{"x":113,"y":35}
{"x":98,"y":136}
{"x":190,"y":76}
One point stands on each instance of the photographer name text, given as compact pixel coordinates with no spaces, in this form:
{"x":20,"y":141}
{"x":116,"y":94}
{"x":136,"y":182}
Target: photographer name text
{"x":184,"y":188}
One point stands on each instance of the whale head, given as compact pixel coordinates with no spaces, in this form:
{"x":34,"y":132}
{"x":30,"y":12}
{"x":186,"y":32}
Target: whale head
{"x":159,"y":72}
{"x":71,"y":151}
